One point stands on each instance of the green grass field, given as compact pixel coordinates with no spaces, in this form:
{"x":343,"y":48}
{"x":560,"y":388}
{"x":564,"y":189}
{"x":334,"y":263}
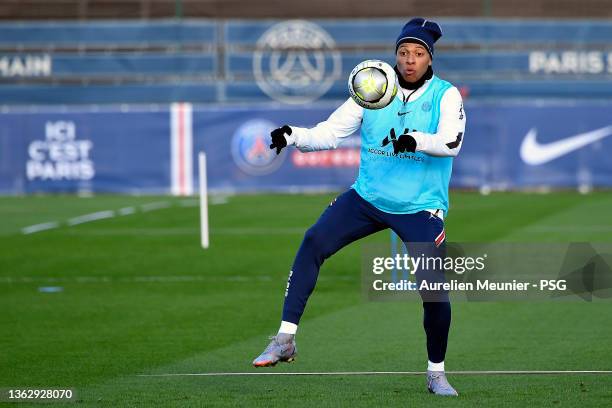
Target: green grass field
{"x":139,"y":296}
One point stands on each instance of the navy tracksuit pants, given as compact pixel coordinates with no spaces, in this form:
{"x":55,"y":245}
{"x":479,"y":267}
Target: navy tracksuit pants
{"x":348,"y":219}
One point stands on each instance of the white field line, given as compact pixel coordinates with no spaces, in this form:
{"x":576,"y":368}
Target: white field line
{"x":214,"y":199}
{"x":40,"y":227}
{"x":569,"y":228}
{"x":157,"y":205}
{"x":258,"y":231}
{"x":99,"y":215}
{"x":189,"y":202}
{"x":126,"y":211}
{"x":346,"y":373}
{"x":218,"y":200}
{"x":191,"y":231}
{"x":155,"y":279}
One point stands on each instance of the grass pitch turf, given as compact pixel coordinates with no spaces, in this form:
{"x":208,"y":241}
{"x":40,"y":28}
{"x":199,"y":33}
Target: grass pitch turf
{"x":139,"y":296}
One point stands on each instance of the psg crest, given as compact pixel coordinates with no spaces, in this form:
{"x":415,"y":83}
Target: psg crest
{"x":250,"y":148}
{"x":296,"y":62}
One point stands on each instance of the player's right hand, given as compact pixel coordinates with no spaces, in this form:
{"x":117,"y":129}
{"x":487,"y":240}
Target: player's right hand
{"x":278,"y":138}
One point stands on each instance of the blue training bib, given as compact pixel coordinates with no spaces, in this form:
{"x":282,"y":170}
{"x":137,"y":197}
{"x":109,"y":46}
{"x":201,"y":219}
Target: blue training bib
{"x":403,"y":183}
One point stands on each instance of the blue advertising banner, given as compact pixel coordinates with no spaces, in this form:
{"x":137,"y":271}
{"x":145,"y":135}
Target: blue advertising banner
{"x":526,"y":145}
{"x":506,"y":146}
{"x":236,"y":141}
{"x":154,"y":149}
{"x":55,"y":150}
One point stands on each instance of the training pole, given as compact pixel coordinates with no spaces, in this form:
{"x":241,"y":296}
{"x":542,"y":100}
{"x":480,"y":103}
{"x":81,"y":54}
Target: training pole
{"x":203,"y":200}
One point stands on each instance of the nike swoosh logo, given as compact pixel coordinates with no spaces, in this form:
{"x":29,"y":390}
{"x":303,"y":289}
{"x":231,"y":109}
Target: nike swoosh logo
{"x":402,"y":113}
{"x":534,"y":153}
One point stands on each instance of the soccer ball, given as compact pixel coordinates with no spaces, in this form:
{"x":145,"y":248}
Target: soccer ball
{"x":373,"y":84}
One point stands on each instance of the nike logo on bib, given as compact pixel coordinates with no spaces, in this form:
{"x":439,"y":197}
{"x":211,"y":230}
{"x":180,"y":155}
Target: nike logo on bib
{"x":402,"y":113}
{"x":534,"y":153}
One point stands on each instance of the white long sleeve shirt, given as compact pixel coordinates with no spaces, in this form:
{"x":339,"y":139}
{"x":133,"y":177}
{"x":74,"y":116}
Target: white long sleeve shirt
{"x":345,"y":121}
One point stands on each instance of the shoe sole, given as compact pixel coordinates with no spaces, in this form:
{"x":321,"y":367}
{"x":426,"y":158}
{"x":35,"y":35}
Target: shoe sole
{"x":442,"y":395}
{"x":271,"y":363}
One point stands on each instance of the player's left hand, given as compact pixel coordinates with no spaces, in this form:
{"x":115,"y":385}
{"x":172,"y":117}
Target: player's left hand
{"x":404,"y":143}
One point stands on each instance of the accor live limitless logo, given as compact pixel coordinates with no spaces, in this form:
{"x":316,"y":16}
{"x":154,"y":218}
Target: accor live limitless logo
{"x":60,"y":156}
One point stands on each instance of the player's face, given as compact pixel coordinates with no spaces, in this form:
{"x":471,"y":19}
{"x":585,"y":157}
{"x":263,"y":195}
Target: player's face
{"x":412,"y":61}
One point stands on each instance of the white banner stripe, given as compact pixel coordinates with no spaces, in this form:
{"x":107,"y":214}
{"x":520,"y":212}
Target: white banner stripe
{"x":187,"y":149}
{"x":181,"y":149}
{"x":174,"y":184}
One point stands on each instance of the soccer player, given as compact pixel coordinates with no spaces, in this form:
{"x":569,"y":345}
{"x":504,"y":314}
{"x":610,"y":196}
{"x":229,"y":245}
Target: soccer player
{"x":407,"y":151}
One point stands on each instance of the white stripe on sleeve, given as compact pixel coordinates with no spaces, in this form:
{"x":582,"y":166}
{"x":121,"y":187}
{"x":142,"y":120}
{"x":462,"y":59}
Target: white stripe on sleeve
{"x":448,"y":139}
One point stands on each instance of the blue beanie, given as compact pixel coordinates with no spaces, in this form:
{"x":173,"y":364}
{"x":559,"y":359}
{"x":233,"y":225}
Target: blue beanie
{"x":420,"y":31}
